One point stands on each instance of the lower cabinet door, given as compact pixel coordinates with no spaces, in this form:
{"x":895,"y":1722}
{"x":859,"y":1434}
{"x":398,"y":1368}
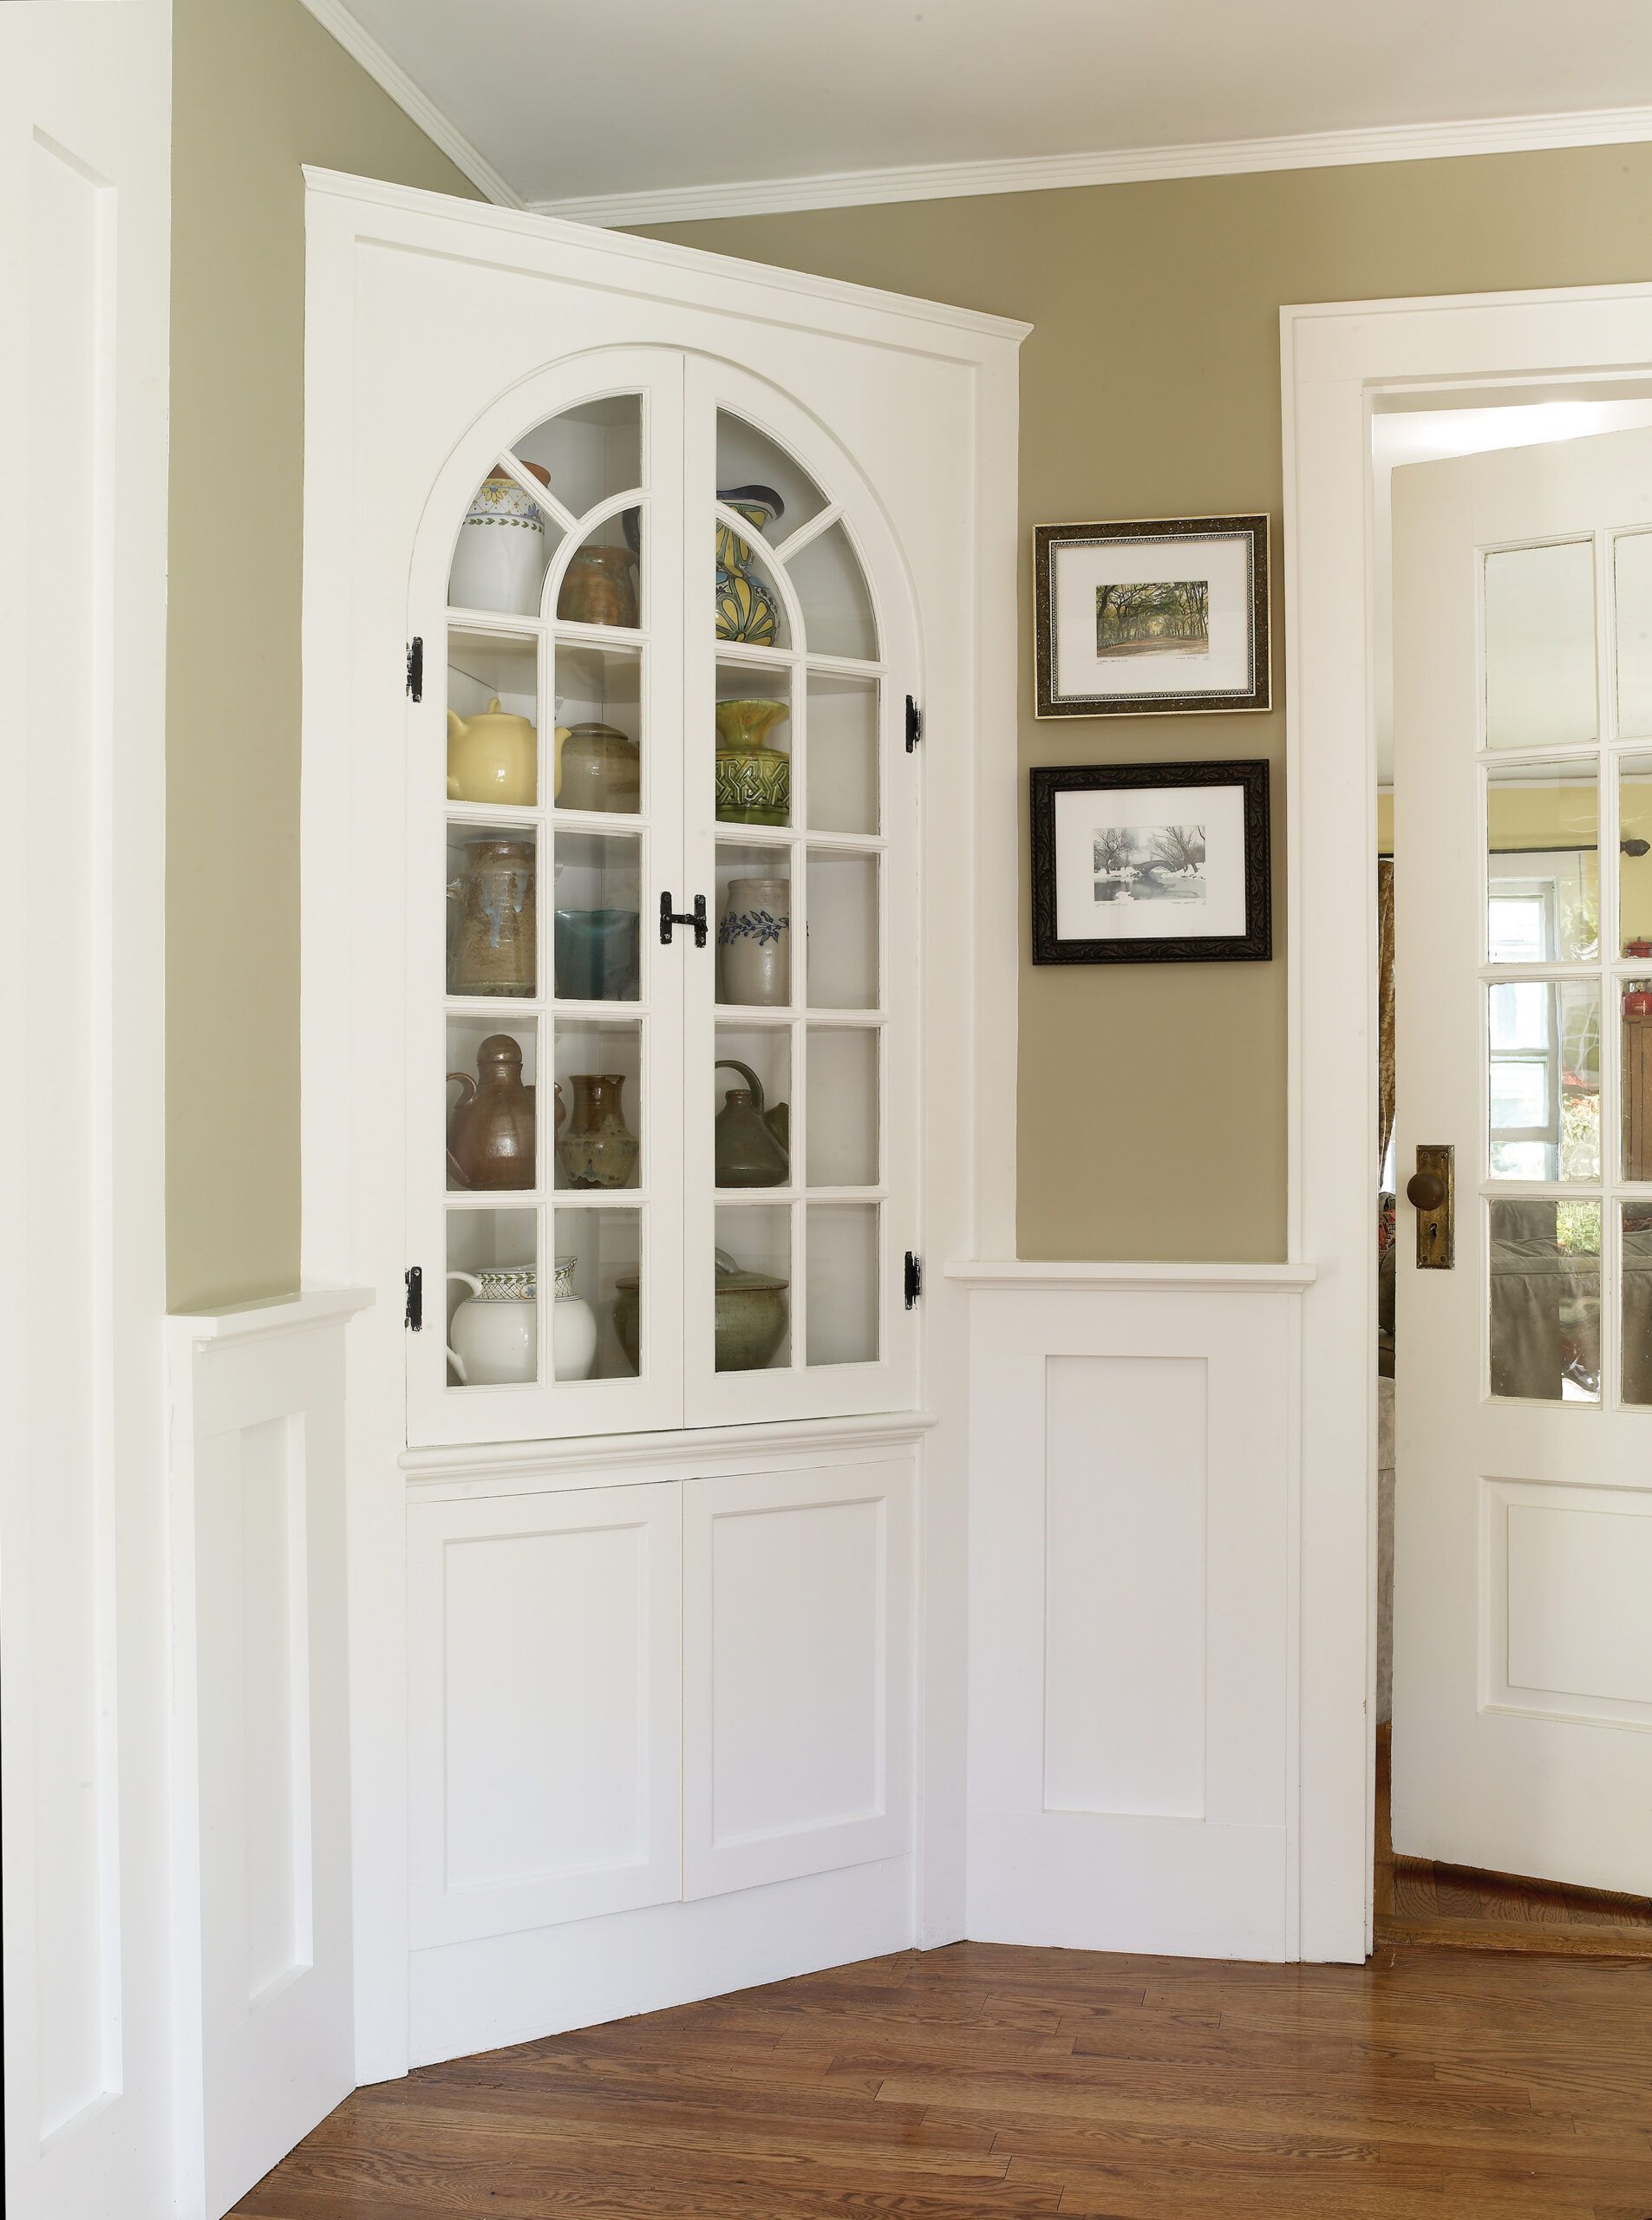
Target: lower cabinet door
{"x":546,"y":1708}
{"x":797,"y":1654}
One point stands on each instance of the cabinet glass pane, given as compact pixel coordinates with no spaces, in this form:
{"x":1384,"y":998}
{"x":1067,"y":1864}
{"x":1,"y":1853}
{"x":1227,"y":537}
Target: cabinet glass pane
{"x":599,"y":1282}
{"x":492,"y":929}
{"x":842,"y":1125}
{"x":492,"y":709}
{"x":752,"y":1132}
{"x":1634,"y":855}
{"x":754,"y":913}
{"x":833,"y":598}
{"x":504,"y":544}
{"x":492,"y":1143}
{"x":1540,"y":646}
{"x":1545,"y":1300}
{"x":491,"y":1310}
{"x":753,"y":771}
{"x":1637,"y":1302}
{"x":1543,"y":868}
{"x":843,"y":1321}
{"x":749,"y":459}
{"x":602,"y":584}
{"x":1632,"y":594}
{"x":599,"y":1105}
{"x":590,"y":453}
{"x":842,"y":929}
{"x":1635,"y":1080}
{"x":597,"y":940}
{"x":751,"y":1288}
{"x":750,"y":609}
{"x":1543,"y":1080}
{"x":598,"y":696}
{"x":843,"y":754}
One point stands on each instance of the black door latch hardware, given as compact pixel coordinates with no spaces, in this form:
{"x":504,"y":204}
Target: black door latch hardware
{"x":696,"y":917}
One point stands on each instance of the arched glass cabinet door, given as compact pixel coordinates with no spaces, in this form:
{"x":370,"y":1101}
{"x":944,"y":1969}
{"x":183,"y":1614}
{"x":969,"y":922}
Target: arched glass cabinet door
{"x":545,"y":1019}
{"x":801,"y":811}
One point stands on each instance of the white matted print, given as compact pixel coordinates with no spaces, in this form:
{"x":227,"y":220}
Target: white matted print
{"x":1138,"y":617}
{"x":1150,"y":863}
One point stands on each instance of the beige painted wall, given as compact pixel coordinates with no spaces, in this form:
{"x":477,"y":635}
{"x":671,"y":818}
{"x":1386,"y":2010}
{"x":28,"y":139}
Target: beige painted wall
{"x":259,"y":88}
{"x":1152,"y":1097}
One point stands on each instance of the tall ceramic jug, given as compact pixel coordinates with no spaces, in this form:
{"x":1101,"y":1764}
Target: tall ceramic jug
{"x":491,"y":1133}
{"x":499,"y":557}
{"x":750,"y":1145}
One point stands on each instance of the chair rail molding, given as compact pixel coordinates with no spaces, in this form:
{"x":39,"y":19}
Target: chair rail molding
{"x":1342,"y":363}
{"x":264,"y":2040}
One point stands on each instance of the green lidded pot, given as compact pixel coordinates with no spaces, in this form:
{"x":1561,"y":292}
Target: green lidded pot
{"x":749,"y":1323}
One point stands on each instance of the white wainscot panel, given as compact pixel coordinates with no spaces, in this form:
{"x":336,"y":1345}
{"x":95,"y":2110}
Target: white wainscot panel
{"x":1131,"y":1504}
{"x":797,"y":1671}
{"x":544,"y":1662}
{"x":1568,"y":1631}
{"x":261,"y":1788}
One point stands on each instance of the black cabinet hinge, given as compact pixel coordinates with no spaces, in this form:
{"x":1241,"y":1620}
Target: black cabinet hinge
{"x":696,"y":917}
{"x":914,"y":724}
{"x":415,"y":1279}
{"x":914,"y":1279}
{"x":416,"y":668}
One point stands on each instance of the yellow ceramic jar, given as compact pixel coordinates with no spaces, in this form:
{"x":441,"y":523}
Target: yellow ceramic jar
{"x":492,"y":757}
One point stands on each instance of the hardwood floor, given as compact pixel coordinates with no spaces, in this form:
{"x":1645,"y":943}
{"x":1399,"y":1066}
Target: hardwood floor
{"x":1451,"y":1907}
{"x":949,"y":2086}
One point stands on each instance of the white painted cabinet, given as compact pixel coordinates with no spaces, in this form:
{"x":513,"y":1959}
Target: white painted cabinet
{"x":656,"y":606}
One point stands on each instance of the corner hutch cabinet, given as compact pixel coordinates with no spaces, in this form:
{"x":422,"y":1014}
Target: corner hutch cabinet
{"x":639,"y":590}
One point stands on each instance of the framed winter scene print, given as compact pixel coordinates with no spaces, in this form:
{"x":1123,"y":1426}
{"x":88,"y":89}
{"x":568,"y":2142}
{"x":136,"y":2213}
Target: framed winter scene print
{"x":1150,"y":863}
{"x":1148,"y":617}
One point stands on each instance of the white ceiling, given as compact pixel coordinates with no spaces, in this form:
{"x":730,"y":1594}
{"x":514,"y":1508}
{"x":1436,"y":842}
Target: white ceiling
{"x":576,"y":101}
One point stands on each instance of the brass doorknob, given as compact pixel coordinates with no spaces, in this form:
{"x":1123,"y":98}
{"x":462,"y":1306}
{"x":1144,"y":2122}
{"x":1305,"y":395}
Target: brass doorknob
{"x":1425,"y":1190}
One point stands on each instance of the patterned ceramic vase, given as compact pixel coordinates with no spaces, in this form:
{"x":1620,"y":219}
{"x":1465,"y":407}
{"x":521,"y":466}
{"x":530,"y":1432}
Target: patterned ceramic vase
{"x":747,"y":609}
{"x":493,"y":941}
{"x":753,"y":782}
{"x":499,"y":560}
{"x":754,"y":941}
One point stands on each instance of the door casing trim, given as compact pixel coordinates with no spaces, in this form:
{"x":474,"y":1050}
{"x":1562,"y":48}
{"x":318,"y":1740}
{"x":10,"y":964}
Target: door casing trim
{"x":1341,"y":364}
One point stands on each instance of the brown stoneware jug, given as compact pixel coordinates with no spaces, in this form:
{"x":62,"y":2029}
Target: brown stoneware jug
{"x":491,"y":1133}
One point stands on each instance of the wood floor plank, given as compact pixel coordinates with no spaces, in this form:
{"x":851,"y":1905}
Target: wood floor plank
{"x":987,"y":2078}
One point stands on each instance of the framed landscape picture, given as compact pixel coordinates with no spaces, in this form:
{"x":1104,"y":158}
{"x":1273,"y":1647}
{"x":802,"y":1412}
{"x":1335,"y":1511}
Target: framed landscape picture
{"x":1150,"y":618}
{"x":1150,"y":863}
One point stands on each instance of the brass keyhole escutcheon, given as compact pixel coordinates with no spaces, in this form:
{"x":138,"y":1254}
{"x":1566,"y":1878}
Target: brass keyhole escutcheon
{"x":1431,"y":1192}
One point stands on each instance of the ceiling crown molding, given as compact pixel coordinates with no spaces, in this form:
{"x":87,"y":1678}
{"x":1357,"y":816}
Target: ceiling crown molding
{"x":1399,"y":142}
{"x":392,"y":78}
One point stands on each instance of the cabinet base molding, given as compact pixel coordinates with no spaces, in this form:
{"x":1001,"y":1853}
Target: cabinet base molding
{"x":514,"y":1988}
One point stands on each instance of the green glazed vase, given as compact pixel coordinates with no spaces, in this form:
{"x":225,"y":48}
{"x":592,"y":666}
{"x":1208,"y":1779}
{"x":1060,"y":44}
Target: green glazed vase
{"x":753,"y":782}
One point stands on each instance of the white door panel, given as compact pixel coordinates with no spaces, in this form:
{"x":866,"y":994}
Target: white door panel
{"x":1523,"y":719}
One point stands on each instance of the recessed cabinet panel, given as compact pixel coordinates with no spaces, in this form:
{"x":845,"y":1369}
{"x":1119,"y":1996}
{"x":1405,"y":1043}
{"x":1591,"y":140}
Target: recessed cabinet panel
{"x":544,"y":1707}
{"x":797,"y":1660}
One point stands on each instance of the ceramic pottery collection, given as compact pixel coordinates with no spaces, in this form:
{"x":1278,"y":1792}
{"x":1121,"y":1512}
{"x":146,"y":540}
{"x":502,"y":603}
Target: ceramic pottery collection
{"x":598,"y":1149}
{"x":597,"y":955}
{"x":491,"y":1133}
{"x":747,"y":609}
{"x":496,"y":1329}
{"x":492,"y":756}
{"x":600,"y":587}
{"x":498,"y":558}
{"x":754,"y":941}
{"x":750,"y":1146}
{"x":753,"y":781}
{"x":598,"y":768}
{"x":493,"y":940}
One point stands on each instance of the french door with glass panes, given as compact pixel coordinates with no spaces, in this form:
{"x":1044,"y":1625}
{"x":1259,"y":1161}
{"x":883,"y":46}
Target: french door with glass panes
{"x":661,"y":924}
{"x":1523,"y":979}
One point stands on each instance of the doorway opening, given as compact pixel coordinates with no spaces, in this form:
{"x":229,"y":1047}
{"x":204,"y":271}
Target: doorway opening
{"x":1533,"y":1202}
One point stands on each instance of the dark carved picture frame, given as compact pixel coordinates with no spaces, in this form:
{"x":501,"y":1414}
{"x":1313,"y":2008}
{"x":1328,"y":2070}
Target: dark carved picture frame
{"x":1048,"y":537}
{"x":1253,"y":945}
